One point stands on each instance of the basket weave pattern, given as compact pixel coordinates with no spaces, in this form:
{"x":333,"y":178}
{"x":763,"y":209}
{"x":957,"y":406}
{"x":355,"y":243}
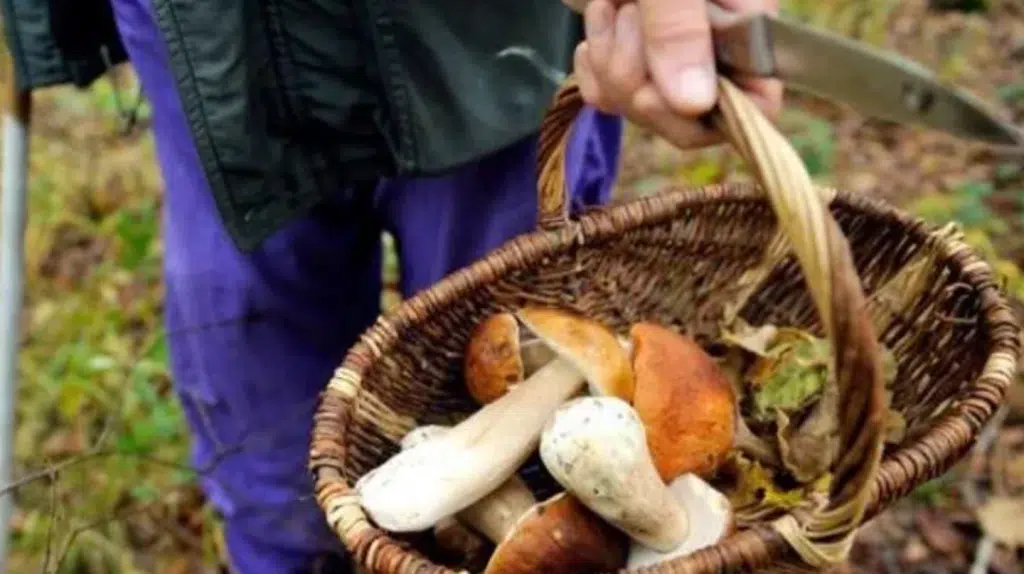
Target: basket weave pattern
{"x":692,"y":259}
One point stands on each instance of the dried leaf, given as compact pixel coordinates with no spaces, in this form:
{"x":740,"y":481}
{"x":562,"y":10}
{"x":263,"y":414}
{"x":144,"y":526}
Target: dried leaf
{"x":895,"y":427}
{"x":915,"y":551}
{"x":755,"y":486}
{"x":809,"y":449}
{"x":791,"y":375}
{"x":939,"y":533}
{"x":749,"y":338}
{"x":890,"y":366}
{"x":1000,"y":519}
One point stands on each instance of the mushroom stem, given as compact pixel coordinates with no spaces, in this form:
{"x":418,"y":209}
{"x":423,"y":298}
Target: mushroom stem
{"x":596,"y":448}
{"x":495,"y":514}
{"x":706,"y":506}
{"x":419,"y":486}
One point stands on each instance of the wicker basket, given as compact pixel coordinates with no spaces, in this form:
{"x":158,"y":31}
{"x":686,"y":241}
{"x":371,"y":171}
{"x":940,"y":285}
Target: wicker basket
{"x":844,"y":266}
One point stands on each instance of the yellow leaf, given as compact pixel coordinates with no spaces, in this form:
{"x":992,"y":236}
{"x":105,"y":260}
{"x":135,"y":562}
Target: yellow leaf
{"x":755,"y":484}
{"x":1000,"y":519}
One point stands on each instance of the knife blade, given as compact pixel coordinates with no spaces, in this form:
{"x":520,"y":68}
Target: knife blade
{"x":872,"y":81}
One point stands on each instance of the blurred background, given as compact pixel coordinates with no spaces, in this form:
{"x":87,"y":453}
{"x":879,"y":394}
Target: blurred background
{"x":100,"y":440}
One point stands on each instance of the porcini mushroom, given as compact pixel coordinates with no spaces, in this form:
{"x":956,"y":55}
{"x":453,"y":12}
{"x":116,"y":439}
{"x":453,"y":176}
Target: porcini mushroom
{"x":685,"y":401}
{"x":558,"y":536}
{"x":596,"y":448}
{"x":605,"y":353}
{"x":688,"y":405}
{"x":709,"y":512}
{"x":417,"y":487}
{"x":495,"y":513}
{"x":499,"y":355}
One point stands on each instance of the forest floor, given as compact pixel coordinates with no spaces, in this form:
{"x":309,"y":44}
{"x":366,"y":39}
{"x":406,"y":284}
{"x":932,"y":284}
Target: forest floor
{"x":101,"y":445}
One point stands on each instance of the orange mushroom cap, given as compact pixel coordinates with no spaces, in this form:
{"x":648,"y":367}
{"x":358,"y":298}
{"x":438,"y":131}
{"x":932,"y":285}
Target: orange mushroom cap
{"x":686,"y":402}
{"x":493,"y":361}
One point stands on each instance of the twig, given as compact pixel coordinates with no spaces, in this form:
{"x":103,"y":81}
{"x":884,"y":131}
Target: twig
{"x":52,"y":526}
{"x":986,"y":438}
{"x":983,"y":556}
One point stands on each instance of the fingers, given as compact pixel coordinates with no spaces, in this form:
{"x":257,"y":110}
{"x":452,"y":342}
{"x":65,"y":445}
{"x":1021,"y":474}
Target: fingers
{"x":677,"y":39}
{"x":652,"y":112}
{"x":648,"y":59}
{"x":614,"y":55}
{"x":750,"y":5}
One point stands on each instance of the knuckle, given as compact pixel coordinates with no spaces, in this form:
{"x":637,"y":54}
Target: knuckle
{"x":678,"y":32}
{"x":625,"y":77}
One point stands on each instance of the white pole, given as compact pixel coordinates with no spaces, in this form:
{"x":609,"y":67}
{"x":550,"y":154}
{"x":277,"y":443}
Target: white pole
{"x":16,"y":123}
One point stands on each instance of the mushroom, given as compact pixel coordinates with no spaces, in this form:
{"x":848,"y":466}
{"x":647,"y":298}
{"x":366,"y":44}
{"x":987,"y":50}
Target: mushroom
{"x":672,"y":371}
{"x":499,"y":355}
{"x":709,"y":511}
{"x":559,"y":536}
{"x":606,"y":353}
{"x":596,"y":448}
{"x":685,"y":401}
{"x":417,"y":487}
{"x":495,"y":513}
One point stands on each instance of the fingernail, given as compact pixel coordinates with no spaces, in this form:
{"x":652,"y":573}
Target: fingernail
{"x":695,"y":88}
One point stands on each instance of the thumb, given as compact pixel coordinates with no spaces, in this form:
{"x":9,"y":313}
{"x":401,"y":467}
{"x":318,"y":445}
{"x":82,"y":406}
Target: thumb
{"x":677,"y":39}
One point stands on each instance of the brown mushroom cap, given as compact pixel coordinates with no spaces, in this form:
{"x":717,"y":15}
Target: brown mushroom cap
{"x":684,"y":399}
{"x":589,"y":345}
{"x":499,"y":355}
{"x":492,"y":360}
{"x":560,"y":535}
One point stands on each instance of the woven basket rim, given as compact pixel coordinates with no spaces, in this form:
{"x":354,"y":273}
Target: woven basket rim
{"x":912,"y":463}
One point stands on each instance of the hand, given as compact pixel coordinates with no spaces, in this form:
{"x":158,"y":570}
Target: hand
{"x":652,"y":62}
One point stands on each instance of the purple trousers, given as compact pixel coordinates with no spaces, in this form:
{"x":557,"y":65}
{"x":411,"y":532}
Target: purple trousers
{"x":254,"y":337}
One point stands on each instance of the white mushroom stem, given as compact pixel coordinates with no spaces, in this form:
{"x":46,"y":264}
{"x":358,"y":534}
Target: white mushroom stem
{"x":495,"y":514}
{"x":709,"y":510}
{"x":596,"y":448}
{"x":439,"y":478}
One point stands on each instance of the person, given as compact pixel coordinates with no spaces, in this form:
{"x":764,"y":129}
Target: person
{"x":290,"y":134}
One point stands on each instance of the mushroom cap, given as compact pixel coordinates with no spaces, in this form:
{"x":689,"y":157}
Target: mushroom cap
{"x":589,"y":345}
{"x":686,"y":402}
{"x":708,"y":509}
{"x":493,"y":360}
{"x":560,"y":535}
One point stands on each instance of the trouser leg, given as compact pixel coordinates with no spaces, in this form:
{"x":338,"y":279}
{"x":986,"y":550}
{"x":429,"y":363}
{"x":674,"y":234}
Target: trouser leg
{"x":443,"y":223}
{"x":253,"y":338}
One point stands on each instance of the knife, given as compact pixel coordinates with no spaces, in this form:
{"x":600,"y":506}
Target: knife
{"x":874,"y":82}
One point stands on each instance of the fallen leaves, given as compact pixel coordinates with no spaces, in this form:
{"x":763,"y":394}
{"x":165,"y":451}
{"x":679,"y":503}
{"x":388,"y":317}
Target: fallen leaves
{"x":1001,"y":518}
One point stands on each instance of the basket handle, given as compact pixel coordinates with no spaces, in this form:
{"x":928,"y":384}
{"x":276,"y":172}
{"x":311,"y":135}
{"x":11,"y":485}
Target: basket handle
{"x":821,"y":537}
